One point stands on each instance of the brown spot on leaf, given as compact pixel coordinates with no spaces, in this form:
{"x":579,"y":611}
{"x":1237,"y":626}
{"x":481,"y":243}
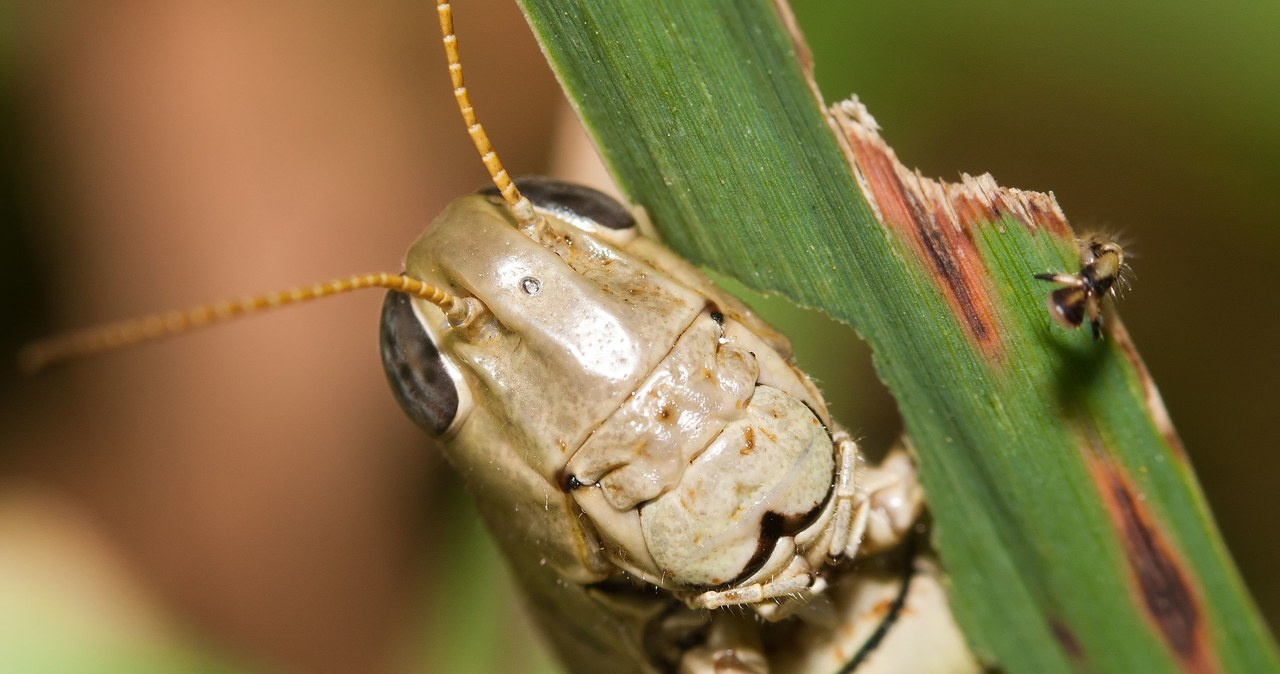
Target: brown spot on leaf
{"x":1066,"y":639}
{"x":1164,"y":585}
{"x":937,"y":219}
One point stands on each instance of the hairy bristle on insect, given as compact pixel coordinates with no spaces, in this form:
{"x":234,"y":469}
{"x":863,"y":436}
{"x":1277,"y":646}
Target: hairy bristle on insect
{"x":39,"y":355}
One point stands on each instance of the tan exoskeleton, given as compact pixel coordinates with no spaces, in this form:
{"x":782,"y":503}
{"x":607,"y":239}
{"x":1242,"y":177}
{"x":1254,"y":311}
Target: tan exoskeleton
{"x":628,"y":388}
{"x":639,"y":442}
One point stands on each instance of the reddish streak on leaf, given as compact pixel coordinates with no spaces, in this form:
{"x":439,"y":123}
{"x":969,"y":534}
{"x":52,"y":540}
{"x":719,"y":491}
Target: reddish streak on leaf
{"x":937,"y":219}
{"x":1150,"y":394}
{"x":1164,"y":587}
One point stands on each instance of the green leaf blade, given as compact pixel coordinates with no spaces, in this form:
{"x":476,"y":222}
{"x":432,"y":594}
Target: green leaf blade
{"x":1074,"y":532}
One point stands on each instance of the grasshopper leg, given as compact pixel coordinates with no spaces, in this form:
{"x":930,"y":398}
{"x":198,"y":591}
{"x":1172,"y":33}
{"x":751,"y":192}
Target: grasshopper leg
{"x":732,"y":647}
{"x":893,"y":498}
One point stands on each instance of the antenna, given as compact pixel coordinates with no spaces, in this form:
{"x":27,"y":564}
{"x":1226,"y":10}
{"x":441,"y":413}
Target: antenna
{"x":36,"y":356}
{"x":520,"y":206}
{"x":458,"y":311}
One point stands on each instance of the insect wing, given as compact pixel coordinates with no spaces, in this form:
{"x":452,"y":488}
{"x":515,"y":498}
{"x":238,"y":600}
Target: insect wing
{"x":1067,"y":306}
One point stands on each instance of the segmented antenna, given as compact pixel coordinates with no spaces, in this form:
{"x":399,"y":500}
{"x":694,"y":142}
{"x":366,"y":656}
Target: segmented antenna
{"x":39,"y":355}
{"x":520,"y":206}
{"x":458,"y":311}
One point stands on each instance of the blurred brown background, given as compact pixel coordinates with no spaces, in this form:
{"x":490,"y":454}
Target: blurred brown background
{"x":250,"y":497}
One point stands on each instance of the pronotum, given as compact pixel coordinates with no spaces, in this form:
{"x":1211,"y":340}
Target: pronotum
{"x":686,"y":470}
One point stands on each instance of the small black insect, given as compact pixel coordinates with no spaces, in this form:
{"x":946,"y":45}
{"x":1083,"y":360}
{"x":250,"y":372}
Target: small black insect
{"x":1082,"y":293}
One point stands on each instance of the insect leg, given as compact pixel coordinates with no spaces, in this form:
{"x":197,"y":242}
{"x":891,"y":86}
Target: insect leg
{"x":894,"y":500}
{"x":795,"y":580}
{"x":1094,"y":307}
{"x":732,"y":647}
{"x":847,"y":526}
{"x":1068,"y":280}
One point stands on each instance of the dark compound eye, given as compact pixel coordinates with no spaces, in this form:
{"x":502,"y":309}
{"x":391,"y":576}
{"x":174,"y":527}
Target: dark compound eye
{"x":573,"y":203}
{"x":414,"y":367}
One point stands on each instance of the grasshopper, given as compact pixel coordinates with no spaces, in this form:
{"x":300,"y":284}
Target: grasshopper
{"x":669,"y":489}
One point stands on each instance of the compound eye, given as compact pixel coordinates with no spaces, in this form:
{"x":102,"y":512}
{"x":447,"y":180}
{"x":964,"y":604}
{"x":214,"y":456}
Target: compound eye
{"x":415,"y":370}
{"x":585,"y":208}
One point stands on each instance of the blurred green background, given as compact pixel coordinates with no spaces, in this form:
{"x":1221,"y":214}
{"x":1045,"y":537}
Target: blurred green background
{"x":232,"y":503}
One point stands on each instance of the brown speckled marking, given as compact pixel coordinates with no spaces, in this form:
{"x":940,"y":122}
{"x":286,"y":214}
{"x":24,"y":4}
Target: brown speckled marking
{"x":1150,"y":394}
{"x":1163,"y":584}
{"x":937,"y":218}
